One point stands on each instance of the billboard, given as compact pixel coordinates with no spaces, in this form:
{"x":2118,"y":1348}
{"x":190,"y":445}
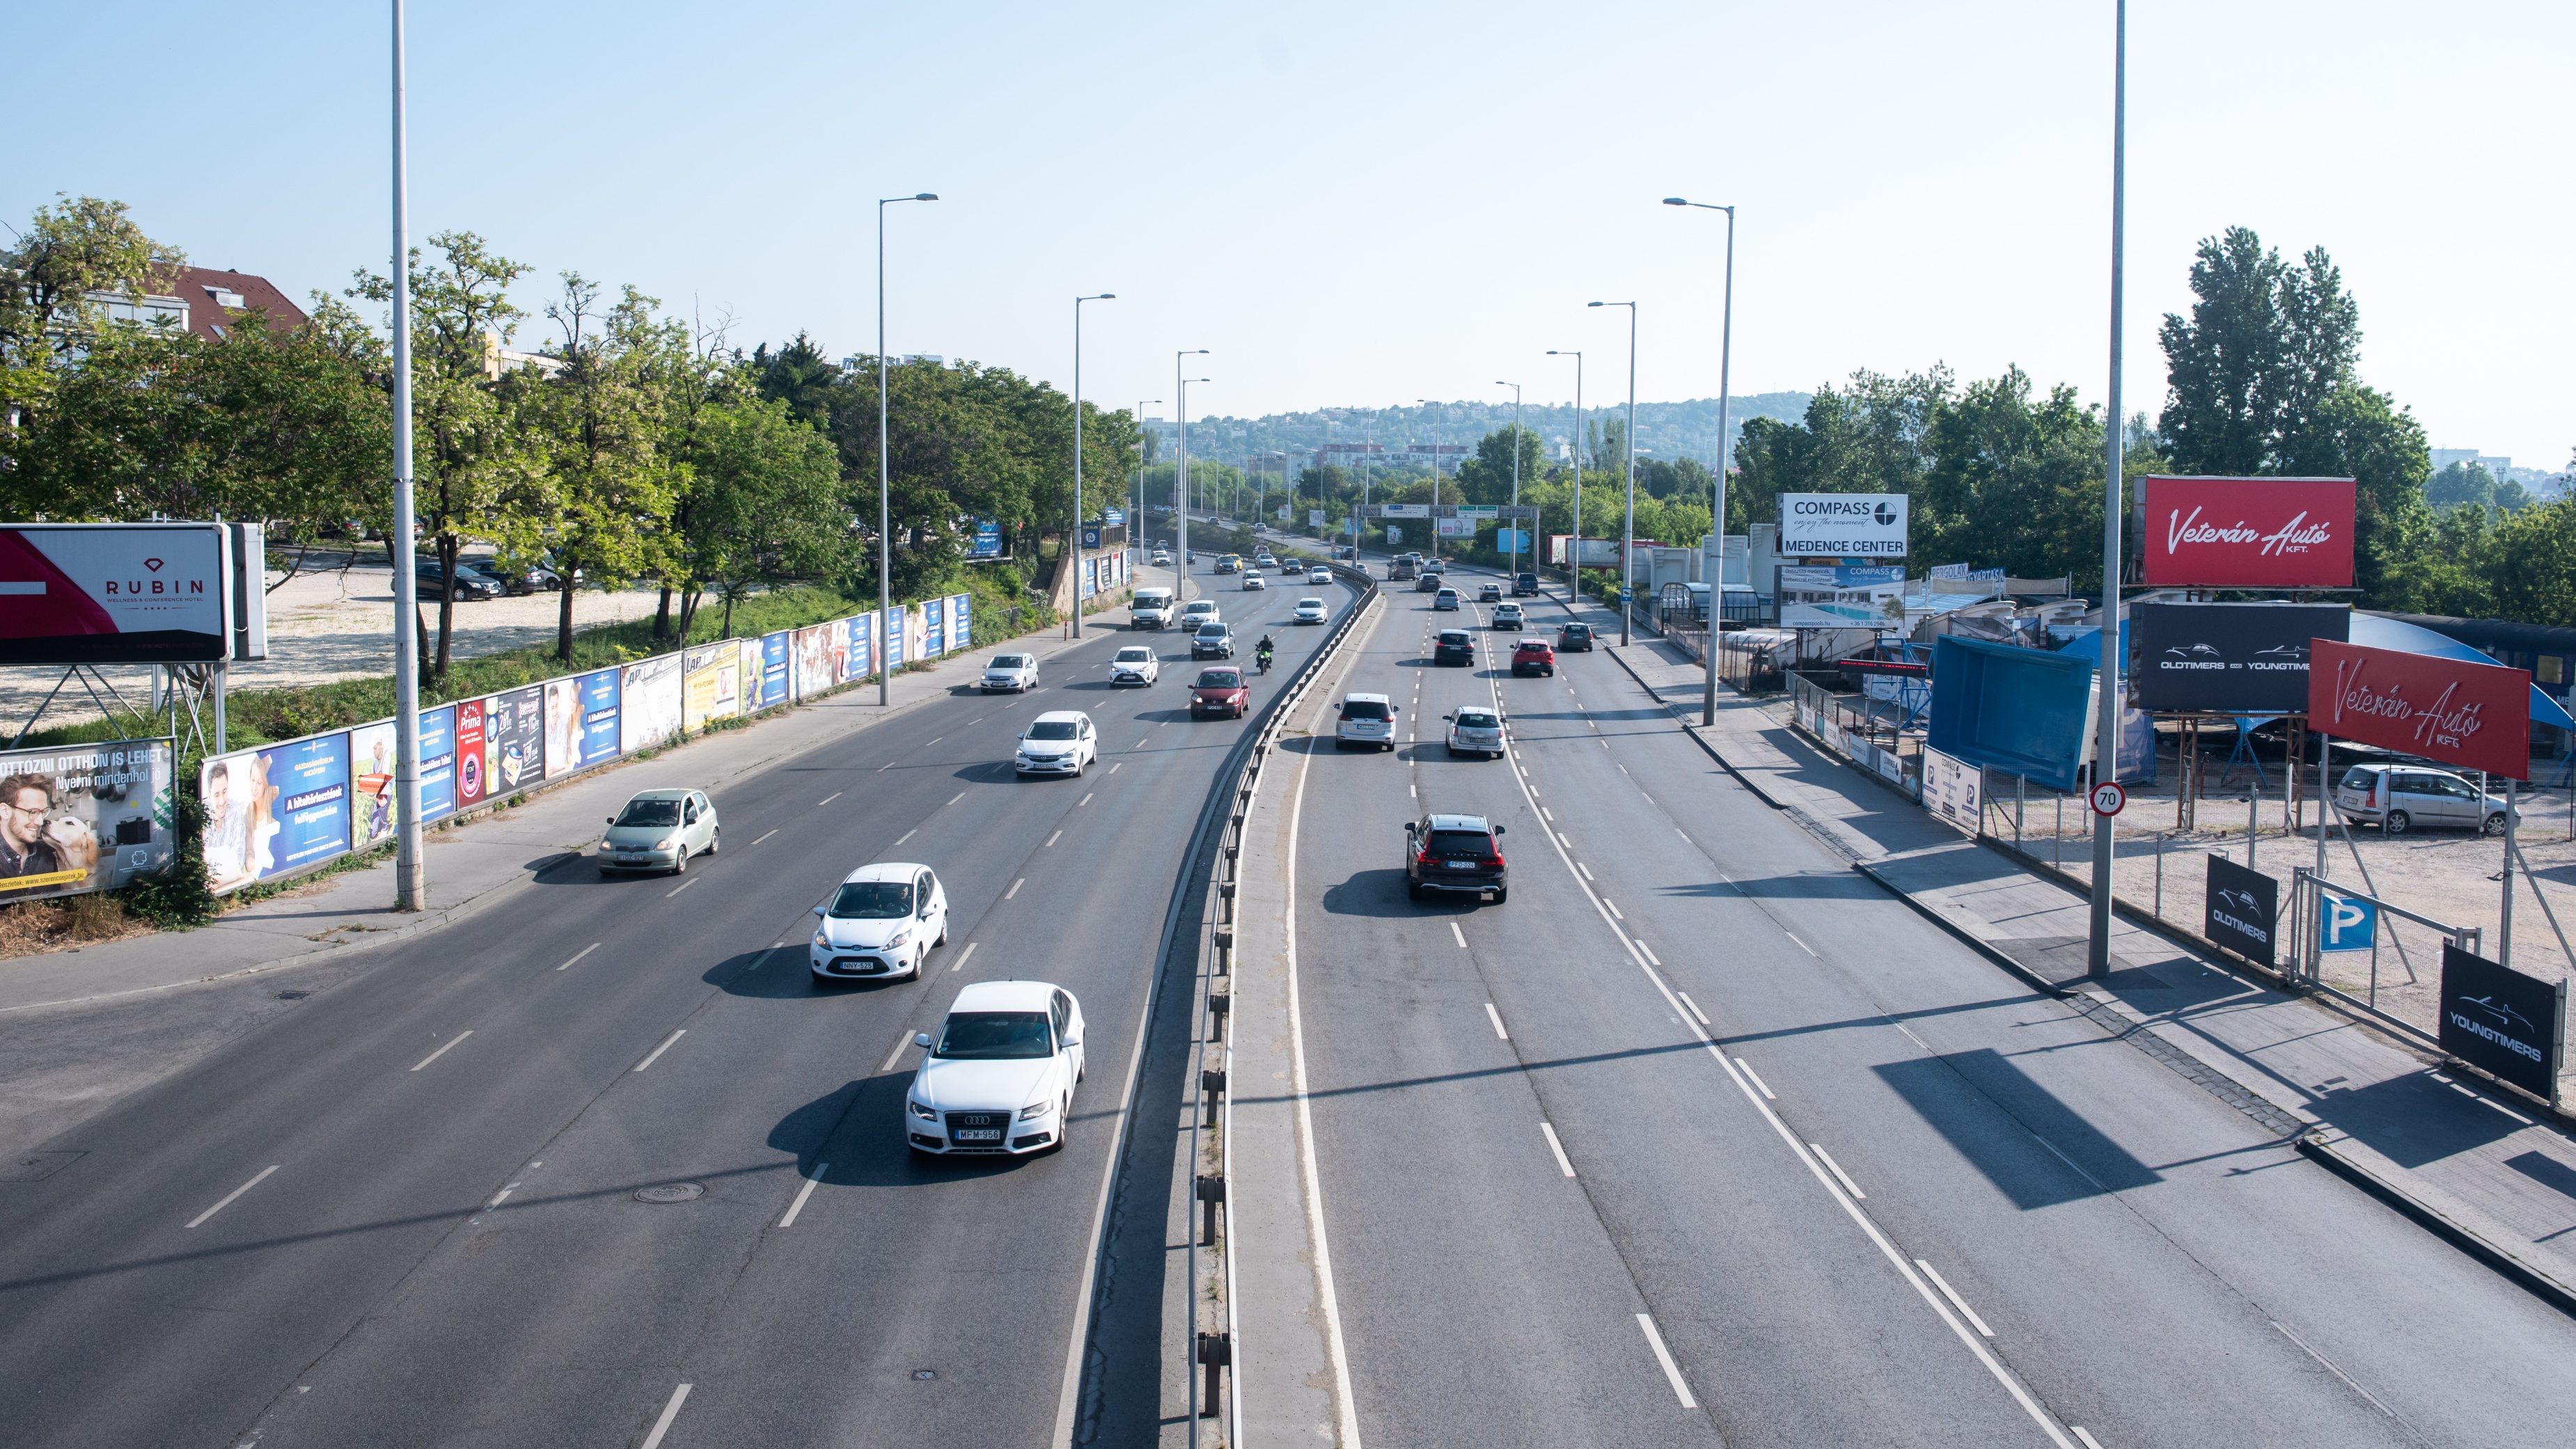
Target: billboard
{"x":710,"y":684}
{"x":437,"y":763}
{"x":2239,"y":908}
{"x":988,"y":540}
{"x":596,"y":693}
{"x":820,"y":648}
{"x":2016,"y":710}
{"x":2501,"y":1021}
{"x":469,"y":753}
{"x":2475,"y":716}
{"x":896,"y":636}
{"x":934,"y":624}
{"x":1954,"y":790}
{"x":1849,"y":597}
{"x":1454,"y":527}
{"x":961,"y":621}
{"x":86,"y":817}
{"x":1314,"y":518}
{"x":1842,"y":525}
{"x":2247,"y":533}
{"x":777,"y":653}
{"x":860,"y":659}
{"x":2228,"y":658}
{"x":563,"y":727}
{"x":371,"y":784}
{"x":275,"y":810}
{"x":648,"y":703}
{"x":115,"y":593}
{"x":514,"y":745}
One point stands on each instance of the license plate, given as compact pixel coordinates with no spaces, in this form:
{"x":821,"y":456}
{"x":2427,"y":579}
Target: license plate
{"x":977,"y":1134}
{"x":1462,"y":865}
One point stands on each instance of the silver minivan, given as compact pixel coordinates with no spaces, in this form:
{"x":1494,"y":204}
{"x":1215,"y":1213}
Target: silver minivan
{"x":1367,"y":719}
{"x":2398,"y":798}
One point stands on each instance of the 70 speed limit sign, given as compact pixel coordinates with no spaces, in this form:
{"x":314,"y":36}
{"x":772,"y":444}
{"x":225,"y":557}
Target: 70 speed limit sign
{"x":2109,"y":798}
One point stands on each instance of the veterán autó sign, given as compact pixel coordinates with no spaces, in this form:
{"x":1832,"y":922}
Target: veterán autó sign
{"x":2475,"y":716}
{"x":2259,"y":533}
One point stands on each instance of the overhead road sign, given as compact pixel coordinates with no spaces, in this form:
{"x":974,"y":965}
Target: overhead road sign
{"x":1842,"y":525}
{"x":2246,"y":533}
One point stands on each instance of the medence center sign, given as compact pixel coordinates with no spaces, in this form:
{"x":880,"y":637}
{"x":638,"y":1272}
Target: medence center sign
{"x":1842,"y":525}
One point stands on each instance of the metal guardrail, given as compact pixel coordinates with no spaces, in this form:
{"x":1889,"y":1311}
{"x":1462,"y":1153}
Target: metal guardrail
{"x":1849,"y":730}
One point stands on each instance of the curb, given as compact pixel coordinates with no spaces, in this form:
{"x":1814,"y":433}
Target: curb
{"x":2524,"y":1275}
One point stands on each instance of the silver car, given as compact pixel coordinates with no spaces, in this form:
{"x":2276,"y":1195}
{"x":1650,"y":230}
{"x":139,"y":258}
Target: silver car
{"x":1475,"y":730}
{"x":1015,"y":672}
{"x":2399,"y":798}
{"x":660,"y":830}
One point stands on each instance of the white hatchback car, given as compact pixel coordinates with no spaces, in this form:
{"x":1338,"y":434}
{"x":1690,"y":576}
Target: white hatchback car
{"x":1015,"y":672}
{"x":1000,"y":1075}
{"x":1312,"y":611}
{"x":1367,"y":719}
{"x":879,"y":925}
{"x":1253,"y":582}
{"x":1197,"y":612}
{"x":1135,"y":664}
{"x":1058,"y":742}
{"x":1321,"y":575}
{"x":1508,"y":616}
{"x":1476,"y":730}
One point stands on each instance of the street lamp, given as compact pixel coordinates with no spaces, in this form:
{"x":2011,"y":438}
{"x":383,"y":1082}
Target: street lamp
{"x":1077,"y":453}
{"x":1574,"y":564}
{"x":1725,"y":441}
{"x":1181,"y":459}
{"x":2106,"y":746}
{"x":1628,"y":549}
{"x":410,"y":877}
{"x":1141,"y":405}
{"x":1435,"y":482}
{"x":1516,"y":473}
{"x":885,"y":526}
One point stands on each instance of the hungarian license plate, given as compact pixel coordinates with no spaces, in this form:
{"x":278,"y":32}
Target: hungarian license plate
{"x":1462,"y":865}
{"x":977,"y":1134}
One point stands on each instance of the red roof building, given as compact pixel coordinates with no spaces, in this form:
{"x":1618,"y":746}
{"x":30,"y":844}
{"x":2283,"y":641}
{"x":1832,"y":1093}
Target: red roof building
{"x":217,"y":299}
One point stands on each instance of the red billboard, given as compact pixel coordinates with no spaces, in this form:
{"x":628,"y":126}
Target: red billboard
{"x":2247,"y":533}
{"x":2475,"y":716}
{"x":114,"y":593}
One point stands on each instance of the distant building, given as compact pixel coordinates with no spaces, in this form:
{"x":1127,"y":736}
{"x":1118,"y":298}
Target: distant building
{"x":205,"y":301}
{"x":498,"y":359}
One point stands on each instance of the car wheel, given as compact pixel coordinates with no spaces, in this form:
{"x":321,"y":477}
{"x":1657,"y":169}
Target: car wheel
{"x":1340,"y":745}
{"x":1063,"y":1125}
{"x":2396,"y":823}
{"x":715,"y":837}
{"x":2494,"y":824}
{"x":680,"y":862}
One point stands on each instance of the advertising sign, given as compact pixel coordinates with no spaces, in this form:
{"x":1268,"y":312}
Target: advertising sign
{"x":776,"y":671}
{"x":2247,"y":533}
{"x":1454,"y":527}
{"x":860,"y":657}
{"x":274,"y":810}
{"x":1849,"y":597}
{"x":2346,"y":923}
{"x":371,"y":784}
{"x":710,"y":685}
{"x":961,"y":621}
{"x":87,"y":817}
{"x":1283,"y":513}
{"x":820,"y":648}
{"x":912,"y":623}
{"x":934,"y":625}
{"x":597,"y":693}
{"x":895,"y":636}
{"x":514,"y":746}
{"x":2497,"y":1019}
{"x":1314,"y":518}
{"x":1404,"y":510}
{"x":1091,"y":535}
{"x":1394,"y":534}
{"x":1113,"y":516}
{"x":563,"y":727}
{"x":115,"y":593}
{"x":2228,"y":658}
{"x":648,"y":703}
{"x":988,"y":540}
{"x":2475,"y":716}
{"x":2020,"y":711}
{"x":1842,"y":525}
{"x":469,"y":753}
{"x":437,"y":763}
{"x":1954,"y":790}
{"x":2238,"y":909}
{"x":1512,"y":540}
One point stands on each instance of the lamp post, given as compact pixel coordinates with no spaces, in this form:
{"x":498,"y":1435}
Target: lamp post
{"x":1628,"y":546}
{"x":1435,"y":485}
{"x":1574,"y":564}
{"x":410,"y":877}
{"x":1141,"y":405}
{"x":2106,"y":746}
{"x":1725,"y":442}
{"x":1077,"y":453}
{"x":1181,"y":469}
{"x":885,"y":460}
{"x":1516,"y":473}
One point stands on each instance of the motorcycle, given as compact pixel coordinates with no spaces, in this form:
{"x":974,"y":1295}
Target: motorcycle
{"x":1262,"y":658}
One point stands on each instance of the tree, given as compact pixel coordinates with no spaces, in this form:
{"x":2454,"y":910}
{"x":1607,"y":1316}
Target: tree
{"x":1869,"y":437}
{"x":1486,"y":477}
{"x":47,"y":318}
{"x":2015,"y":482}
{"x":2532,"y":563}
{"x":2254,"y":369}
{"x":764,"y":504}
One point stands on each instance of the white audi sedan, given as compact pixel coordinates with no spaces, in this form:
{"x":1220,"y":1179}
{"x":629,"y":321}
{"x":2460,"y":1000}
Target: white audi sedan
{"x":1000,"y":1075}
{"x":1322,"y":575}
{"x":1312,"y":611}
{"x":879,"y":925}
{"x":1134,"y":664}
{"x":1257,"y":582}
{"x":1015,"y":672}
{"x":1058,"y":742}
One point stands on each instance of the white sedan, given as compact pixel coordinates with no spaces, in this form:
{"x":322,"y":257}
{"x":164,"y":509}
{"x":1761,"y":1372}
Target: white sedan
{"x":1255,"y":581}
{"x":1135,"y":664}
{"x":1058,"y":742}
{"x":1309,"y":611}
{"x":1000,"y":1075}
{"x":880,"y":924}
{"x":1015,"y":672}
{"x":1319,"y":575}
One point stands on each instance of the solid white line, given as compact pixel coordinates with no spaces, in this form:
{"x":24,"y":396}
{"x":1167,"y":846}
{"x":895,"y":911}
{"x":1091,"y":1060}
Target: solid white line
{"x":670,"y":1411}
{"x":1052,"y":839}
{"x":1461,"y":935}
{"x":1953,"y":1295}
{"x":577,"y":955}
{"x":451,"y":1041}
{"x":1498,"y":1021}
{"x":1909,"y":1035}
{"x":665,"y":1046}
{"x":1015,"y":887}
{"x":953,"y":799}
{"x":2330,"y":1368}
{"x":1563,"y":1164}
{"x":675,"y":890}
{"x":2089,"y":1441}
{"x":1663,"y":1355}
{"x":1587,"y":870}
{"x":803,"y":1193}
{"x":1767,"y":1094}
{"x":1803,"y":946}
{"x":828,"y":799}
{"x":1686,"y":1001}
{"x":1841,"y":1176}
{"x":960,"y":963}
{"x":773,"y":830}
{"x":236,"y":1192}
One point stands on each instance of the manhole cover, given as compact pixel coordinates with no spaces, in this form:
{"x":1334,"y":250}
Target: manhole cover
{"x":669,"y":1192}
{"x":925,"y":1374}
{"x":293,"y":995}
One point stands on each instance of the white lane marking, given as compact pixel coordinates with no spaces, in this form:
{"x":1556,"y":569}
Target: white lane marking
{"x":1416,"y":791}
{"x":881,"y":769}
{"x":807,"y":1191}
{"x":236,"y":1192}
{"x":671,"y":1410}
{"x":1052,"y":839}
{"x":1684,"y":834}
{"x":1562,"y":840}
{"x":1563,"y":1163}
{"x":907,"y":835}
{"x":1497,"y":1018}
{"x":1910,"y":1036}
{"x":665,"y":1046}
{"x":1651,"y":956}
{"x":469,"y":1031}
{"x":1649,"y":799}
{"x":960,"y":963}
{"x":1550,"y":814}
{"x":2089,"y":1441}
{"x":772,"y":831}
{"x":675,"y":890}
{"x":979,"y":719}
{"x":1461,"y":935}
{"x":953,"y":799}
{"x":1149,"y":739}
{"x":1842,"y":1177}
{"x":934,"y":739}
{"x":763,"y":958}
{"x":2338,"y":1373}
{"x":828,"y":799}
{"x":1803,"y":946}
{"x":1953,"y":1295}
{"x":1587,"y":870}
{"x":500,"y":1197}
{"x":1767,"y":1094}
{"x":1693,"y":1005}
{"x":1015,"y":887}
{"x":593,"y":946}
{"x":1086,"y":799}
{"x":1113,"y":769}
{"x":1663,"y":1355}
{"x":896,"y":1055}
{"x":1614,"y":908}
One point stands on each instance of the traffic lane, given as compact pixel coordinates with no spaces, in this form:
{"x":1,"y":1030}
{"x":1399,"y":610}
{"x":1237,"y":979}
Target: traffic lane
{"x":2099,"y":1202}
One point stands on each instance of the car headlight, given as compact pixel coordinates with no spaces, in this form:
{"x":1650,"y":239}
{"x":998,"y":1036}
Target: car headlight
{"x":921,"y":1110}
{"x":899,"y":938}
{"x":665,"y":842}
{"x":1035,"y":1110}
{"x":822,"y":942}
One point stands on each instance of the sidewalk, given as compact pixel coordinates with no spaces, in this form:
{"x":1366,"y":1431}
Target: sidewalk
{"x":2460,"y":1157}
{"x":472,"y":863}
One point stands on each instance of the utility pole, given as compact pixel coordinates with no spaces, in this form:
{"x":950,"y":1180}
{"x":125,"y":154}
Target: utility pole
{"x":2106,"y":744}
{"x":411,"y":880}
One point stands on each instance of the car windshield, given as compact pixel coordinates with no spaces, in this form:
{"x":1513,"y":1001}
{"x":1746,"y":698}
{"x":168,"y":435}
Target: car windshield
{"x":992,"y":1035}
{"x":1376,"y":708}
{"x":1459,"y":636}
{"x":1228,"y":679}
{"x":1584,"y":631}
{"x":1461,"y":842}
{"x":1217,"y":631}
{"x":1479,"y":719}
{"x":872,"y":900}
{"x":1141,"y":656}
{"x":651,"y":812}
{"x":1021,"y":661}
{"x":1062,"y":729}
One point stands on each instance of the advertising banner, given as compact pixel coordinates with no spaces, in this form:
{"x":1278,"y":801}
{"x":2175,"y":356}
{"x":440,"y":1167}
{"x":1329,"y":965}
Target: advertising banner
{"x":2475,"y":716}
{"x":469,"y":753}
{"x":961,"y":621}
{"x":371,"y":784}
{"x":115,"y":593}
{"x":988,"y":540}
{"x":2239,"y":908}
{"x":1314,"y":518}
{"x":1283,"y":513}
{"x":1954,"y":790}
{"x":275,"y":810}
{"x":896,"y":635}
{"x":2247,"y":533}
{"x":1842,"y":525}
{"x":820,"y":648}
{"x":514,"y":745}
{"x":599,"y":706}
{"x":437,"y":763}
{"x":1404,"y":510}
{"x":710,"y":684}
{"x":860,"y":657}
{"x":1848,"y":597}
{"x":2020,"y":711}
{"x":934,"y":625}
{"x":648,"y":703}
{"x":2228,"y":658}
{"x":87,"y":817}
{"x":1454,"y":527}
{"x":2501,"y":1021}
{"x":1394,"y":534}
{"x":1091,"y":535}
{"x":777,"y":652}
{"x":1512,"y":540}
{"x":563,"y":727}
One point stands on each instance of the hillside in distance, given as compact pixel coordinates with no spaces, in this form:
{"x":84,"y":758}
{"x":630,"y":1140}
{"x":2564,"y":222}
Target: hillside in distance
{"x":1666,"y":430}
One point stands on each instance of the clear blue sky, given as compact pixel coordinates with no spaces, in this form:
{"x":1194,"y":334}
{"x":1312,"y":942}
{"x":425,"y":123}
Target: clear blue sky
{"x":1367,"y":204}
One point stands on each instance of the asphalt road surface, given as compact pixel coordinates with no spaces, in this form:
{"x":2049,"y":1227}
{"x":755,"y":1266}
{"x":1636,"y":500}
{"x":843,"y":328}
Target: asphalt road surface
{"x":1704,"y":1139}
{"x":406,"y":1212}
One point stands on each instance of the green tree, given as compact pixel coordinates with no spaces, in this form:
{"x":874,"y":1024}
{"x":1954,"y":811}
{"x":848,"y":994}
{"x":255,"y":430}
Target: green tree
{"x":2015,"y":482}
{"x":765,"y":505}
{"x":1486,"y":476}
{"x":2254,"y":368}
{"x":2531,"y":559}
{"x":68,"y":251}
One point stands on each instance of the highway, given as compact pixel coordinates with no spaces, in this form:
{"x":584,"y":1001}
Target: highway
{"x":407,"y":1211}
{"x":1702,"y":1138}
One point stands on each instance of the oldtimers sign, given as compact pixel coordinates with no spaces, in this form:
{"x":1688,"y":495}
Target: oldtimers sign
{"x":2475,"y":716}
{"x":2247,"y":533}
{"x":114,"y":593}
{"x":2232,"y":658}
{"x":1842,"y":525}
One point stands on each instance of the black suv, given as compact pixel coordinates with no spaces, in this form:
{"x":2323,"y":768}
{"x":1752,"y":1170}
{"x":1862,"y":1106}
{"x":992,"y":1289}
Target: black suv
{"x":1455,"y":646}
{"x":1573,"y":636}
{"x":1454,"y":853}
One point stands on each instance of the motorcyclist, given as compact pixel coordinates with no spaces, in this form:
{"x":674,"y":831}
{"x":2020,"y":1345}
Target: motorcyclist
{"x":1261,"y":653}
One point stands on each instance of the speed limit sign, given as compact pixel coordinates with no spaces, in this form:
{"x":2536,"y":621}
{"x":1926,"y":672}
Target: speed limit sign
{"x":2109,"y":798}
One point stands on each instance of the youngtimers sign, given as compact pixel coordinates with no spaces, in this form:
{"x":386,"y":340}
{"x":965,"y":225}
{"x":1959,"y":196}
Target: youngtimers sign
{"x":2496,"y":1018}
{"x":1842,"y":525}
{"x":2247,"y":533}
{"x":2230,"y":658}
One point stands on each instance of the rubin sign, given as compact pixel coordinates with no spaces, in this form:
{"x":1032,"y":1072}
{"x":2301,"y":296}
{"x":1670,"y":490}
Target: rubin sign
{"x":115,"y":593}
{"x":2247,"y":533}
{"x":2475,"y":716}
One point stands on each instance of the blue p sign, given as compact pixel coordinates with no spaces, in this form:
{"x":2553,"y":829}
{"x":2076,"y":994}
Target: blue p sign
{"x":2346,"y":923}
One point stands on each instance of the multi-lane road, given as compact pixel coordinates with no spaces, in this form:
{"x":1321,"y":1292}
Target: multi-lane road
{"x":418,"y":1208}
{"x":1703,"y":1139}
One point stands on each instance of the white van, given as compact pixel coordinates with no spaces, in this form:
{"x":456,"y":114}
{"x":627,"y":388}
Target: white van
{"x":1151,"y":609}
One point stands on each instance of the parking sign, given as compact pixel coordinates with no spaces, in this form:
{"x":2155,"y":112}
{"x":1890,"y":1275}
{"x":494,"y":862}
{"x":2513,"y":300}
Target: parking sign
{"x":2346,"y":923}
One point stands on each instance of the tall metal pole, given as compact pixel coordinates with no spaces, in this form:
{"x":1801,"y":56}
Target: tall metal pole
{"x":410,"y":879}
{"x":1574,"y":562}
{"x":1516,"y":472}
{"x":885,"y":456}
{"x":1717,"y":491}
{"x":1628,"y":544}
{"x":1181,"y":472}
{"x":1077,"y":454}
{"x":1141,"y":405}
{"x":2106,"y":745}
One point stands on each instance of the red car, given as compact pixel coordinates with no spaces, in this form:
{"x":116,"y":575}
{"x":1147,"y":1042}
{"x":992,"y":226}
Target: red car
{"x":1220,"y":692}
{"x":1533,"y":655}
